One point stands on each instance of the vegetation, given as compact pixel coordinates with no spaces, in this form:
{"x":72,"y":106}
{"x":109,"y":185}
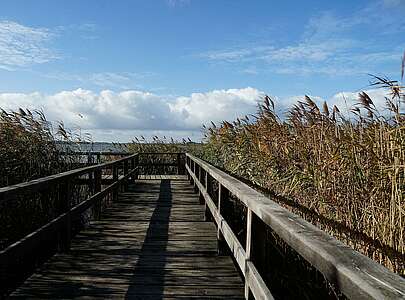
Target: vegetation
{"x":346,"y":176}
{"x":164,"y":144}
{"x":29,"y":146}
{"x":30,"y":149}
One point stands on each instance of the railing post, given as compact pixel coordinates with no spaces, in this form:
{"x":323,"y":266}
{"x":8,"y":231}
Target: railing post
{"x":248,"y":249}
{"x":194,"y":171}
{"x":125,"y":184}
{"x":256,"y":239}
{"x":136,"y":174}
{"x":208,"y":188}
{"x":189,"y":163}
{"x":200,"y":195}
{"x":65,"y":232}
{"x":91,"y":183}
{"x":132,"y":167}
{"x":223,"y":195}
{"x":97,"y":188}
{"x":178,"y":164}
{"x":115,"y":179}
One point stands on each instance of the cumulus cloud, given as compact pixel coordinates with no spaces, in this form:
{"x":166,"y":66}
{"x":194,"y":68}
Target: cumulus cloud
{"x":22,"y":46}
{"x":345,"y":100}
{"x":119,"y":116}
{"x":137,"y":110}
{"x":215,"y":106}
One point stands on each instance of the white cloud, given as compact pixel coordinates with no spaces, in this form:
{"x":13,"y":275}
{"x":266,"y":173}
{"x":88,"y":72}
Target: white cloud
{"x":215,"y":106}
{"x":345,"y":101}
{"x":22,"y":46}
{"x":333,"y":45}
{"x":121,"y":80}
{"x":119,"y":116}
{"x":136,"y":110}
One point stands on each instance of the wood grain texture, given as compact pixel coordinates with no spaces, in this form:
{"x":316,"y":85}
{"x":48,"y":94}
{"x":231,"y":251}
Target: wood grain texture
{"x":356,"y":275}
{"x":152,"y":243}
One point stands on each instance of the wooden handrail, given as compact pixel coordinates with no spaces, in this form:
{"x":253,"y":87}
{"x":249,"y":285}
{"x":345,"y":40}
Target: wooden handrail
{"x":61,"y":226}
{"x":104,"y":153}
{"x":357,"y":276}
{"x":44,"y":182}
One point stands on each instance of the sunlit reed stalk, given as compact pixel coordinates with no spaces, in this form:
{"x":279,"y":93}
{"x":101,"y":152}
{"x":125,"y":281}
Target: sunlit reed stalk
{"x":347,"y":176}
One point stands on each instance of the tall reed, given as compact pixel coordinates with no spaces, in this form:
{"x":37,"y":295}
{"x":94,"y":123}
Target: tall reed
{"x":345,"y":176}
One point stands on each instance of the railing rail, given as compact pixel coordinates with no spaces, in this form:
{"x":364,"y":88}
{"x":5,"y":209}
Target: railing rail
{"x":92,"y":157}
{"x":355,"y":275}
{"x":60,"y":227}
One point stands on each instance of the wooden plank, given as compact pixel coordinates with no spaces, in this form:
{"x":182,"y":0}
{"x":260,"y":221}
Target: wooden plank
{"x":248,"y":282}
{"x":356,"y":275}
{"x":153,"y":257}
{"x":230,"y":238}
{"x":256,"y":284}
{"x":43,"y":183}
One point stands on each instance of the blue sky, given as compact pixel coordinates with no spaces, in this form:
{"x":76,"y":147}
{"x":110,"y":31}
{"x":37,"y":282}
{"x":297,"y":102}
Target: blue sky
{"x":121,"y":68}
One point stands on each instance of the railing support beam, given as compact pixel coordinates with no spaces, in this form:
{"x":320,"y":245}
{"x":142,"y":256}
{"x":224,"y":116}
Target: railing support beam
{"x":97,"y":188}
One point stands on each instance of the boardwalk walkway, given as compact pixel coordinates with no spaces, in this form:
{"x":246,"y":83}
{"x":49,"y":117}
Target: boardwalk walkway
{"x":153,"y":243}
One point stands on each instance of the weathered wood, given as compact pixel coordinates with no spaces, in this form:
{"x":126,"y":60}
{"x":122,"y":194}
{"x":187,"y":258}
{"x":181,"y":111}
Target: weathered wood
{"x":126,"y":169}
{"x":7,"y":193}
{"x":255,"y":283}
{"x":234,"y":245}
{"x":29,"y":249}
{"x":357,"y":276}
{"x":142,"y":249}
{"x":136,"y":164}
{"x":208,"y":188}
{"x":115,"y":178}
{"x":248,"y":250}
{"x":97,"y":189}
{"x":16,"y":252}
{"x":223,"y":195}
{"x":104,"y":153}
{"x":65,"y":232}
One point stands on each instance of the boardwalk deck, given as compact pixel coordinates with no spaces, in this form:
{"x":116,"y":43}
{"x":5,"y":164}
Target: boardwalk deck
{"x":153,"y":243}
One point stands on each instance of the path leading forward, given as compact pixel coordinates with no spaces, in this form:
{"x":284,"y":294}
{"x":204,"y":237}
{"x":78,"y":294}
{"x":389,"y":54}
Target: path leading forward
{"x":152,"y":243}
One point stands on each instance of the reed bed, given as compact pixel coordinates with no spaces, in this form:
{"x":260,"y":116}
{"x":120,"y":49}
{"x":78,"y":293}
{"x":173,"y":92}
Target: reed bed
{"x":29,"y":146}
{"x":344,"y":175}
{"x":30,"y":149}
{"x":162,"y":144}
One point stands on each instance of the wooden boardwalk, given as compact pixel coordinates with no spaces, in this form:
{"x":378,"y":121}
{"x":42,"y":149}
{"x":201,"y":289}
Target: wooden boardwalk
{"x":153,"y":243}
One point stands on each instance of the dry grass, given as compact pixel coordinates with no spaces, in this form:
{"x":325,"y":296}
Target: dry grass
{"x":29,"y":150}
{"x":156,"y":144}
{"x":346,"y":177}
{"x":29,"y":146}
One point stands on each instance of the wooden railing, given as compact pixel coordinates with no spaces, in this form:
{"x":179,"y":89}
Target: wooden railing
{"x":103,"y":180}
{"x":94,"y":157}
{"x":355,"y":275}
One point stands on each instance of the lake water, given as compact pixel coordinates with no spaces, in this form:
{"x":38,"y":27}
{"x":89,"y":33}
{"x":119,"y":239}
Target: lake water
{"x":94,"y":147}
